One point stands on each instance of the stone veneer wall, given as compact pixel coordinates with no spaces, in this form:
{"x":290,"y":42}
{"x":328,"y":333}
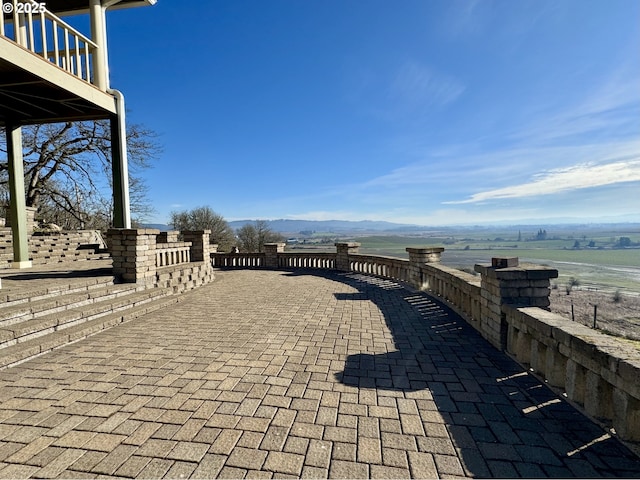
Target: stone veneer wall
{"x":31,"y":218}
{"x":182,"y":278}
{"x":133,"y":253}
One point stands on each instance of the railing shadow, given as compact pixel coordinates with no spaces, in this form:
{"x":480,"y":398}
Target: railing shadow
{"x":502,"y":421}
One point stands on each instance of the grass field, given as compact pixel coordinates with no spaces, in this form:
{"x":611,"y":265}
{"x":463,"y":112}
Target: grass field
{"x":603,"y":266}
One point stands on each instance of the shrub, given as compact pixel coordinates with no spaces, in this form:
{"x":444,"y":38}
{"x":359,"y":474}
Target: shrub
{"x":617,"y":297}
{"x":573,"y":282}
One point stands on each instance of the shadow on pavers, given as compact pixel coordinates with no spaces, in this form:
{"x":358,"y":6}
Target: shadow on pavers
{"x":503,"y":421}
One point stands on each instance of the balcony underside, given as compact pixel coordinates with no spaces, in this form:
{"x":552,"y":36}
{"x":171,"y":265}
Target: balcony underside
{"x":33,"y":90}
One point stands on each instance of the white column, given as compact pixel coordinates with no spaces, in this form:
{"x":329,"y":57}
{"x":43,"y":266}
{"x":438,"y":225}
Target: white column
{"x":98,"y":21}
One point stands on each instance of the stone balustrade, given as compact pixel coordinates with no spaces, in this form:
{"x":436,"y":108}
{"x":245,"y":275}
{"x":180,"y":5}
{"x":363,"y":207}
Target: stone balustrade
{"x":325,"y":261}
{"x":172,"y":253}
{"x":388,"y":267}
{"x":244,"y":260}
{"x":460,"y":290}
{"x":508,"y":305}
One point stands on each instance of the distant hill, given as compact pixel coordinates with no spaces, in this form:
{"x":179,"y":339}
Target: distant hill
{"x":160,"y":226}
{"x":333,"y":226}
{"x":364,"y":227}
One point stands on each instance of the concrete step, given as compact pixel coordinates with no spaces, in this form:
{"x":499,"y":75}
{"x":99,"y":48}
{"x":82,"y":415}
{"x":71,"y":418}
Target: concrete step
{"x":30,"y":338}
{"x":76,"y":309}
{"x":23,"y":311}
{"x":56,"y":289}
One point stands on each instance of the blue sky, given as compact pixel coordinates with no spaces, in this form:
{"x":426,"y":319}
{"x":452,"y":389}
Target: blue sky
{"x":432,"y":112}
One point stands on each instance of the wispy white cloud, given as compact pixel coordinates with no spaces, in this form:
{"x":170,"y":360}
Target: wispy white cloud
{"x":465,"y":17}
{"x":612,"y":108}
{"x":408,"y":89}
{"x":564,"y":179}
{"x":475,"y":19}
{"x":502,"y":165}
{"x":419,"y":85}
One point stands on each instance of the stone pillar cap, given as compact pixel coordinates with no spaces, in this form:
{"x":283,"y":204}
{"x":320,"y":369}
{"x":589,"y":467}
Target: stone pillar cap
{"x":348,"y":244}
{"x":425,"y":249}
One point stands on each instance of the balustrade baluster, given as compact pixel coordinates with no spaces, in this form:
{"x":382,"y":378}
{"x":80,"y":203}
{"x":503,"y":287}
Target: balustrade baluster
{"x":78,"y":63}
{"x":31,"y":38}
{"x":56,"y":51}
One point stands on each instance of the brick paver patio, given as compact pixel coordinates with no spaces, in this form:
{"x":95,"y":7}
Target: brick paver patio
{"x":266,"y":373}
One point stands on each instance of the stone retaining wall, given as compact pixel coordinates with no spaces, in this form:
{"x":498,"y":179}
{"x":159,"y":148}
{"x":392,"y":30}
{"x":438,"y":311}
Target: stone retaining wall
{"x":59,"y":247}
{"x":182,"y":278}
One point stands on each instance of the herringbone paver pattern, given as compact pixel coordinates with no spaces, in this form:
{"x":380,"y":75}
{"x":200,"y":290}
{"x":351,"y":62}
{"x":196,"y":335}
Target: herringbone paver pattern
{"x":276,"y":374}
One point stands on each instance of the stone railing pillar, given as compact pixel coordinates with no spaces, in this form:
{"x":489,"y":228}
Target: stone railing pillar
{"x":271,"y":251}
{"x":133,"y":251}
{"x":418,"y":257}
{"x":170,"y":236}
{"x":344,"y":249}
{"x":31,"y":219}
{"x":506,"y":282}
{"x":200,"y":247}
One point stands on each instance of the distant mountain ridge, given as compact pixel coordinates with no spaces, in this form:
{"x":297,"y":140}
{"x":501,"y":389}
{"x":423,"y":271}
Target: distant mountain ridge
{"x":348,"y":227}
{"x":335,"y":226}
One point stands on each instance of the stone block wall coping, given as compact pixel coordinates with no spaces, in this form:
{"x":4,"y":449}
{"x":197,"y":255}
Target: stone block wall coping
{"x":527,"y":271}
{"x":196,"y":232}
{"x":347,"y":244}
{"x":454,"y":273}
{"x":135,"y":231}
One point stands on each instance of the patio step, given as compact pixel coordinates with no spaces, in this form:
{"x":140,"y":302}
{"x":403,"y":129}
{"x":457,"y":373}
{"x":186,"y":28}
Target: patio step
{"x":23,"y":311}
{"x":31,"y":328}
{"x":93,"y":280}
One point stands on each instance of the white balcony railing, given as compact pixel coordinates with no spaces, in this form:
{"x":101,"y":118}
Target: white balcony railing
{"x":33,"y":27}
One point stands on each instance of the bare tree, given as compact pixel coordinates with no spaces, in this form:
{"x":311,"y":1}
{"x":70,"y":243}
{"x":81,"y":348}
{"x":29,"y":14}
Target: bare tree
{"x":68,"y":171}
{"x":204,"y":218}
{"x":252,"y":237}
